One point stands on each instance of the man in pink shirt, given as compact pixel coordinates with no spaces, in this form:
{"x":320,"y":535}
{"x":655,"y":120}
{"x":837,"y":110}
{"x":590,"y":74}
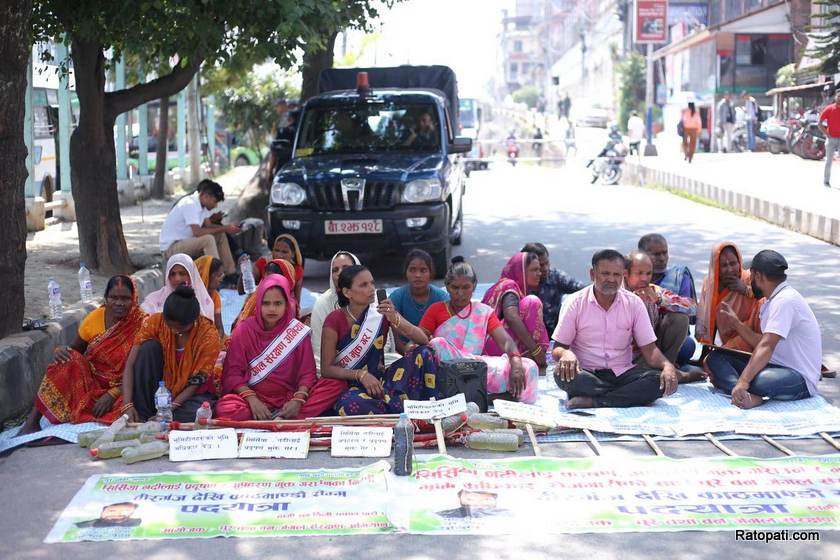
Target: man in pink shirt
{"x":595,"y":334}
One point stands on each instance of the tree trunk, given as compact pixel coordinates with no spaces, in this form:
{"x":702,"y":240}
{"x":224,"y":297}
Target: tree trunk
{"x":15,"y":41}
{"x":162,"y":151}
{"x":93,"y":168}
{"x":313,"y":63}
{"x":194,"y":132}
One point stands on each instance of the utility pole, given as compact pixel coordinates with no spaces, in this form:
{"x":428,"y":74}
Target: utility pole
{"x":650,"y":147}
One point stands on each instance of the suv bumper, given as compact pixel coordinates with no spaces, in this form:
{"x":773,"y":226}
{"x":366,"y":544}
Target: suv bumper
{"x":396,"y":236}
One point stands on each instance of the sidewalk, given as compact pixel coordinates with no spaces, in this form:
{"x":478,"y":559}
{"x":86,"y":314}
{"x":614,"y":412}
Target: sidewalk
{"x":54,"y":252}
{"x":783,"y":189}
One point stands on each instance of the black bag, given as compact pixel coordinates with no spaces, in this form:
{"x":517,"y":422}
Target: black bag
{"x":464,"y":376}
{"x":681,"y":128}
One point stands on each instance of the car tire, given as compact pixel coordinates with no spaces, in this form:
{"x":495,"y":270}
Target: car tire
{"x":241,"y":161}
{"x":441,"y":261}
{"x":458,"y":228}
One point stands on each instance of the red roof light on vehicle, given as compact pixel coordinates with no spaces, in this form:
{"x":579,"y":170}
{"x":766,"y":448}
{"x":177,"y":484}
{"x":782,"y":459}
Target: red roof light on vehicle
{"x":362,"y":83}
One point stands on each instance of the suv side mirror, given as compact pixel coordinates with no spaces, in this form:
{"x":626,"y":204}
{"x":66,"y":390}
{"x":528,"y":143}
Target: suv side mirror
{"x":460,"y":145}
{"x":281,"y":145}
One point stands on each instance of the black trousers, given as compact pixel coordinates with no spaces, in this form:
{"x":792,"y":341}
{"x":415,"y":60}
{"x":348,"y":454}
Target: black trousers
{"x":148,"y":373}
{"x":638,"y":386}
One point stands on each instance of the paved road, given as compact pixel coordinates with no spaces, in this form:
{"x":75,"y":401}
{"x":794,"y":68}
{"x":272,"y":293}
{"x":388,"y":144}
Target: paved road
{"x":505,"y":208}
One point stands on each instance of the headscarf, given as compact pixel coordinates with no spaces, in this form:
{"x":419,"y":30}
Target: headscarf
{"x":511,"y":281}
{"x":251,"y":332}
{"x":287,"y":271}
{"x":297,"y":261}
{"x":154,"y":301}
{"x":203,"y":265}
{"x":324,"y":305}
{"x":744,"y":306}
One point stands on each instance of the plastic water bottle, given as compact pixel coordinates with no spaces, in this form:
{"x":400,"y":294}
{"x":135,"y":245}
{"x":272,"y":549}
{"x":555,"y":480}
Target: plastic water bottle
{"x":403,"y":446}
{"x":56,"y":309}
{"x":163,"y":403}
{"x":111,"y":431}
{"x":550,"y":364}
{"x":204,"y":411}
{"x":112,"y":449}
{"x":493,"y":441}
{"x":248,"y":283}
{"x":145,"y":451}
{"x":85,"y":285}
{"x":485,"y":421}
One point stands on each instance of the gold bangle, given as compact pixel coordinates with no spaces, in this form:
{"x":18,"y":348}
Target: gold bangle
{"x":399,"y":321}
{"x":301,"y":401}
{"x":115,"y":392}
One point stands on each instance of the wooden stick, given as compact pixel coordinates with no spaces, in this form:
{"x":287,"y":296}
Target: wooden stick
{"x":830,"y":440}
{"x":652,"y":444}
{"x":778,"y":445}
{"x":441,"y":444}
{"x":596,"y":447}
{"x":719,"y":445}
{"x":533,"y":437}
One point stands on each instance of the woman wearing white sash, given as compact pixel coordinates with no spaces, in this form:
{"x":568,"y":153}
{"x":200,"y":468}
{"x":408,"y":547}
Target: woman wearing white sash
{"x":269,"y":370}
{"x":353,"y":341}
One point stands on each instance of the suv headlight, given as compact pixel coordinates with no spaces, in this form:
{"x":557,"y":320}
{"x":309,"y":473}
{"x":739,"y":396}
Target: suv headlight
{"x":287,"y":194}
{"x":422,"y":190}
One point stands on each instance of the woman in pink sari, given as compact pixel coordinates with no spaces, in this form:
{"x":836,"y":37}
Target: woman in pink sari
{"x":459,"y":328}
{"x":269,"y":370}
{"x":521,"y":314}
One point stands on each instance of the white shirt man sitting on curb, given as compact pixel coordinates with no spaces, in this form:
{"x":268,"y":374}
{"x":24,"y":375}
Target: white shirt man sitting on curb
{"x":190,"y":227}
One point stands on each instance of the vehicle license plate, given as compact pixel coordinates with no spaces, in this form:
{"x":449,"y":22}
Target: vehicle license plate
{"x":348,"y":227}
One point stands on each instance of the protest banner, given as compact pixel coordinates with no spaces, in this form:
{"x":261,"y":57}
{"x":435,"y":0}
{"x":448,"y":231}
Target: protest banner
{"x":452,"y":496}
{"x":349,"y":441}
{"x":199,"y":445}
{"x":227,"y":504}
{"x":278,"y":445}
{"x":430,"y":410}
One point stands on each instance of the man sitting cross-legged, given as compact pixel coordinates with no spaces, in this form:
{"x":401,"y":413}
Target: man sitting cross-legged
{"x":595,"y":334}
{"x":669,"y":312}
{"x":785,"y":364}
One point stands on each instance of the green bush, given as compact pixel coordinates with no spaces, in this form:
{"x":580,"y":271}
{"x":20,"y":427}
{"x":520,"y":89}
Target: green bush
{"x":529,"y":95}
{"x":631,"y":88}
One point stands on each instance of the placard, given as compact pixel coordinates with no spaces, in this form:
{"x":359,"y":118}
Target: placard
{"x":431,"y":410}
{"x":277,"y":445}
{"x":202,"y":444}
{"x":521,"y":412}
{"x":349,"y":441}
{"x":651,"y":17}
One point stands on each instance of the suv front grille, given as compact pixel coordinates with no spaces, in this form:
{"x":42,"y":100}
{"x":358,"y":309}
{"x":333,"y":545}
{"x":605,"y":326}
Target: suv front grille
{"x":378,"y":195}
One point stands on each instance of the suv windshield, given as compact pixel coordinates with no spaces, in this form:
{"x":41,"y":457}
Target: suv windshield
{"x":369,"y":127}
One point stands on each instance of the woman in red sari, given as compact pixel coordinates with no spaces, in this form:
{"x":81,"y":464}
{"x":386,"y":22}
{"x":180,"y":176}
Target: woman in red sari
{"x":270,"y":369}
{"x":285,"y":247}
{"x":83,"y":383}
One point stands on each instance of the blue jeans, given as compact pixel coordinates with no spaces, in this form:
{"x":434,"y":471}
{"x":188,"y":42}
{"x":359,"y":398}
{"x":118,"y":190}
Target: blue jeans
{"x":750,"y":135}
{"x":774,"y":382}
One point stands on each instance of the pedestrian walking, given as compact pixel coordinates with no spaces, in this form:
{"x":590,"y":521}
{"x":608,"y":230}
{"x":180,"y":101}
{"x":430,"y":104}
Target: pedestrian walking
{"x":635,"y":132}
{"x":726,"y":122}
{"x":829,"y":123}
{"x":691,"y":130}
{"x":751,"y":118}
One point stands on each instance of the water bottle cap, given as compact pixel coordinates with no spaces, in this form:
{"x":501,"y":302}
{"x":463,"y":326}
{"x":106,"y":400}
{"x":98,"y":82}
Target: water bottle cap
{"x":205,"y":404}
{"x":403,"y":416}
{"x":81,"y":264}
{"x":161,"y":384}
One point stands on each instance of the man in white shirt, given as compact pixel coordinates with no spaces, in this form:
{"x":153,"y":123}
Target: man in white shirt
{"x":726,"y":122}
{"x":190,"y":227}
{"x":785,"y":364}
{"x":635,"y":132}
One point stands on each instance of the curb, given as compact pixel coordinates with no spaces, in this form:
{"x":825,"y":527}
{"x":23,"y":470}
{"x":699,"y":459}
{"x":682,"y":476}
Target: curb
{"x":24,"y":356}
{"x":819,"y":226}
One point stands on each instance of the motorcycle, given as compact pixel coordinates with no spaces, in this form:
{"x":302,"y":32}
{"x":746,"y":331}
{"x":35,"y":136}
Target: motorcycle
{"x":512,"y":151}
{"x":779,"y":134}
{"x":809,"y":141}
{"x":606,"y":166}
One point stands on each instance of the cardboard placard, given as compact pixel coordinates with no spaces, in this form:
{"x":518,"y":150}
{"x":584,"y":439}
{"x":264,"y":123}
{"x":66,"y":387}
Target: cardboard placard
{"x":277,"y":445}
{"x":429,"y":410}
{"x":350,"y":441}
{"x":521,"y":412}
{"x":202,"y":444}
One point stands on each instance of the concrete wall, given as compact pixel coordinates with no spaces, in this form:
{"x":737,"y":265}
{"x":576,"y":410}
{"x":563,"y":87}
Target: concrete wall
{"x":25,"y":356}
{"x":822,"y":227}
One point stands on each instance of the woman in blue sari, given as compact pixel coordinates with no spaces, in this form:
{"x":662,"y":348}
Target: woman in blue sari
{"x":353,"y":341}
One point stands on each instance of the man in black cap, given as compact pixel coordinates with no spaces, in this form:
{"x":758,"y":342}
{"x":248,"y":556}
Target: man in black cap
{"x":785,"y":364}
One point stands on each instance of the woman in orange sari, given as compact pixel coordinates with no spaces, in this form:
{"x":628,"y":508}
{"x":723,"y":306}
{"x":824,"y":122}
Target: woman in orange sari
{"x":278,"y":266}
{"x":285,"y":247}
{"x":179,"y":348}
{"x":83,"y":383}
{"x":211,"y":272}
{"x":727,"y":287}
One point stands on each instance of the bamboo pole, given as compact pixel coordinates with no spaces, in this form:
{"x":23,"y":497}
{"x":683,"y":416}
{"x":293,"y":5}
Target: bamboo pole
{"x":719,"y":445}
{"x":596,"y":447}
{"x":830,"y":440}
{"x":778,"y":445}
{"x":653,"y":445}
{"x":533,"y":437}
